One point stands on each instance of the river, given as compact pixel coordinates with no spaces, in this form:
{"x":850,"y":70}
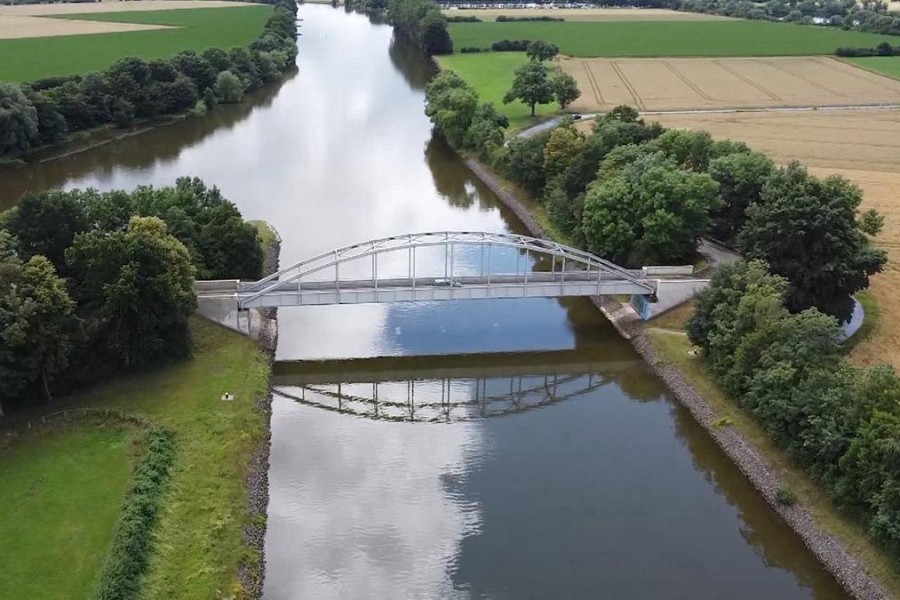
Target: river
{"x":566,"y":474}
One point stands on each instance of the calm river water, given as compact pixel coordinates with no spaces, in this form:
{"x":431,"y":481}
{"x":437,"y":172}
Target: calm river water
{"x":565,"y":474}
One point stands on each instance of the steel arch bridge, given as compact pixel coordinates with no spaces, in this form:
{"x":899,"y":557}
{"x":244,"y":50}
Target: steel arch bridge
{"x":324,"y":279}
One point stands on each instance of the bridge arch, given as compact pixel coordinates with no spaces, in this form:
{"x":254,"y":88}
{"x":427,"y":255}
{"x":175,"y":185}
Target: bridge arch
{"x":572,"y":272}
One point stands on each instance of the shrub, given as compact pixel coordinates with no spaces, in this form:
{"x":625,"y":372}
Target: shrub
{"x":132,"y":545}
{"x":785,"y":496}
{"x":229,"y":88}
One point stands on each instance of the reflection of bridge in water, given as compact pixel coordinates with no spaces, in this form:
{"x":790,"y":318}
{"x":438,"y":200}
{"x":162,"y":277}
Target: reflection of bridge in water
{"x":446,"y":388}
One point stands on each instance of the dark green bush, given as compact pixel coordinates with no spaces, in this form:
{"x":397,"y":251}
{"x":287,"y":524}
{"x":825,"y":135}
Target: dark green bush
{"x":132,"y":545}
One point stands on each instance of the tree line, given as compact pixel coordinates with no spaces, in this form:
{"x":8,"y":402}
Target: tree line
{"x":96,"y":283}
{"x":839,"y":422}
{"x":637,"y":194}
{"x":422,"y":22}
{"x":47,"y":111}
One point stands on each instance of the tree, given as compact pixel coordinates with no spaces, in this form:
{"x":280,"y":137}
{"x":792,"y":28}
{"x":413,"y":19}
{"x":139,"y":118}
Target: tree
{"x":540,"y":50}
{"x":741,"y":178}
{"x":45,"y":224}
{"x":649,"y":212}
{"x":433,"y":35}
{"x":525,"y":163}
{"x":229,"y":88}
{"x":38,"y":327}
{"x":18,"y":121}
{"x":565,"y":89}
{"x":196,"y":68}
{"x":563,"y":145}
{"x":530,"y":85}
{"x":807,"y":231}
{"x":52,"y":125}
{"x":690,"y":149}
{"x":486,"y":131}
{"x":451,"y":106}
{"x":137,"y":287}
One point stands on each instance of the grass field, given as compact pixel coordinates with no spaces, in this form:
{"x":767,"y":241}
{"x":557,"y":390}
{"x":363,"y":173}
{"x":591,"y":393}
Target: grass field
{"x":588,"y":14}
{"x":668,"y":337}
{"x":491,"y":75}
{"x":200,"y":533}
{"x":669,"y":38}
{"x":61,"y":495}
{"x":888,"y":65}
{"x":29,"y":59}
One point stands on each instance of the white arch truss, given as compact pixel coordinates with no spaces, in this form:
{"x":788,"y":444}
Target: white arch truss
{"x":572,"y":272}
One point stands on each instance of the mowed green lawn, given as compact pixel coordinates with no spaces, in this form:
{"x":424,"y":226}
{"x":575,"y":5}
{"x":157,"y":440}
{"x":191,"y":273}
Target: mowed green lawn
{"x":669,"y":38}
{"x":61,"y":495}
{"x":197,"y":28}
{"x":491,"y":74}
{"x":886,"y":65}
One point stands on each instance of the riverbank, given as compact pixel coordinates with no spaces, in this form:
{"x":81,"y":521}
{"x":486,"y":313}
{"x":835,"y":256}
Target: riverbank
{"x":829,"y":546}
{"x":252,"y":570}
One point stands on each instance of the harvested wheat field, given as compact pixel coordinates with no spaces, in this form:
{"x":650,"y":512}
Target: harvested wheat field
{"x":705,"y":83}
{"x":863,"y":146}
{"x":35,"y":20}
{"x":586,"y":14}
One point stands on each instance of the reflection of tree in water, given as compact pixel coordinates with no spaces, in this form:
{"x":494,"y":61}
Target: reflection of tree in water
{"x":416,"y":68}
{"x":451,"y":177}
{"x":764,"y":531}
{"x":161,"y":144}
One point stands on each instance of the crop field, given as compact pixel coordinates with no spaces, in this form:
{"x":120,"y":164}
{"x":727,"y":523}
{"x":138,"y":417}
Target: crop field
{"x":864,"y":147}
{"x":702,"y":83}
{"x":586,"y":14}
{"x":669,"y":38}
{"x":29,"y":59}
{"x":491,"y":75}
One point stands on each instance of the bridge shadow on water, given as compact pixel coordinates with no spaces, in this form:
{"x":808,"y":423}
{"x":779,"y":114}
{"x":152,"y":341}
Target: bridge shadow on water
{"x":457,"y":388}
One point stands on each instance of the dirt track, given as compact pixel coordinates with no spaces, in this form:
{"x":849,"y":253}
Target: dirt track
{"x":705,"y":83}
{"x":26,"y":21}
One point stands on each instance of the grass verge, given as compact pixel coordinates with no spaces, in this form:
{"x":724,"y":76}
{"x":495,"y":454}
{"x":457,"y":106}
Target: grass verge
{"x":29,"y":59}
{"x":669,"y":38}
{"x":668,"y":337}
{"x":61,"y":494}
{"x":491,"y":74}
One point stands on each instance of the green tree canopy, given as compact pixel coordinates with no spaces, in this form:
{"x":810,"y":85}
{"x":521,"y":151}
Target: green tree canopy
{"x":18,"y":121}
{"x":806,"y":229}
{"x":649,"y":212}
{"x":38,"y":327}
{"x":540,"y":50}
{"x":741,"y":177}
{"x":565,"y":89}
{"x":531,"y":85}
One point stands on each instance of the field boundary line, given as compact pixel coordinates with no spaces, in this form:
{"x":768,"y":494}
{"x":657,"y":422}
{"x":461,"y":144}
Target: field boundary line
{"x":598,"y":95}
{"x":811,"y":82}
{"x":628,"y":85}
{"x":854,"y":66}
{"x":747,"y":80}
{"x":687,"y":81}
